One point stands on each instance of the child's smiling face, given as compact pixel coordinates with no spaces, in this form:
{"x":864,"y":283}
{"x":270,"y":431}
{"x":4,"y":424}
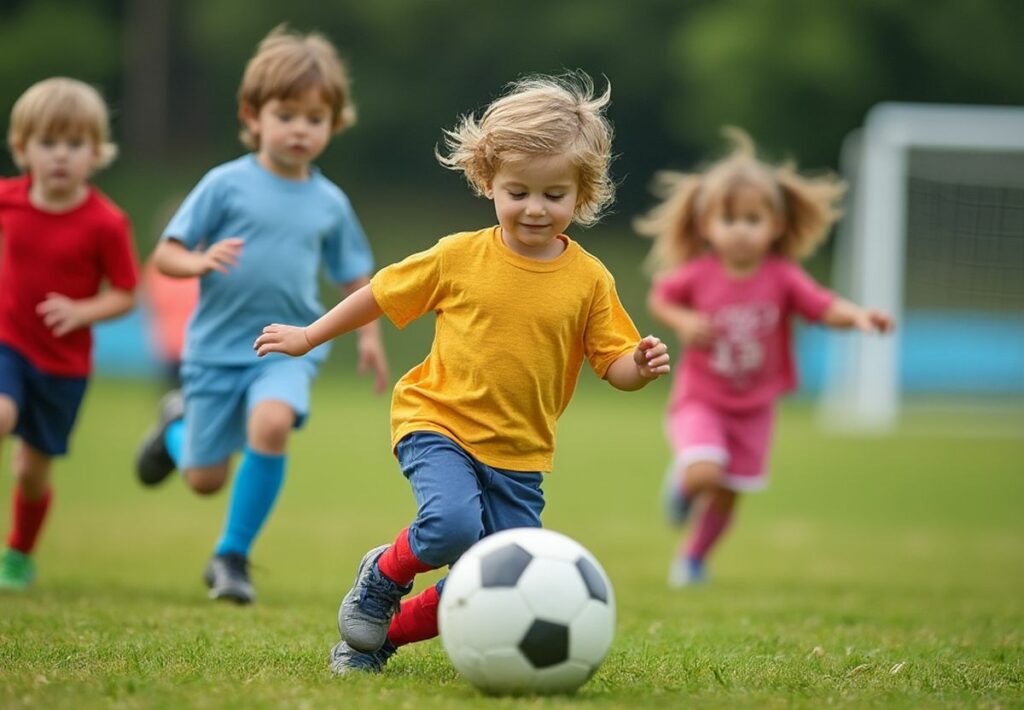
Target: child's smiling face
{"x":535,"y":200}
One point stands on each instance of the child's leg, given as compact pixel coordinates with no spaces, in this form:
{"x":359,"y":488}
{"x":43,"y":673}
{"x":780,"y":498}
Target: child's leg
{"x":719,"y":507}
{"x":259,"y":476}
{"x":31,"y":500}
{"x":448,"y":522}
{"x":510,"y":499}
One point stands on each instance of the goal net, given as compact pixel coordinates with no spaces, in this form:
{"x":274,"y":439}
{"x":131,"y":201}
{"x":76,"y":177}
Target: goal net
{"x":934,"y":233}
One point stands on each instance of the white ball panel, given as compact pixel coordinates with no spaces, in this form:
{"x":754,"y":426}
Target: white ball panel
{"x":591,"y":633}
{"x":563,"y":678}
{"x":553,"y":589}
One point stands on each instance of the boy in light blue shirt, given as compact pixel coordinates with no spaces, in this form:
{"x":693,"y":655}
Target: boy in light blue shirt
{"x":257,"y":231}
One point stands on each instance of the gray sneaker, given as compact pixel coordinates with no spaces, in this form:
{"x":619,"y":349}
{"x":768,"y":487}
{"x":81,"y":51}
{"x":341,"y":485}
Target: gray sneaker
{"x":345,"y":659}
{"x":152,"y":461}
{"x":227,"y":576}
{"x":366,"y":611}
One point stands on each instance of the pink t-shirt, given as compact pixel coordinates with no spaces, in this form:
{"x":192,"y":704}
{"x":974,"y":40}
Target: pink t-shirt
{"x":750,"y":362}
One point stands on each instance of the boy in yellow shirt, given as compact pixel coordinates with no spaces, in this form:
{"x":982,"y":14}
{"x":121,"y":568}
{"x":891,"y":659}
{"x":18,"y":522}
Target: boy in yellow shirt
{"x":519,"y":307}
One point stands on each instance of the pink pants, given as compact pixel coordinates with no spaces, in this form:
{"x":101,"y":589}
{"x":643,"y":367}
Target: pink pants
{"x":739,"y":442}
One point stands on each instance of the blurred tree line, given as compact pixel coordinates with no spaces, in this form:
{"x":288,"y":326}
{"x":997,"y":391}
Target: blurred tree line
{"x":797,"y":74}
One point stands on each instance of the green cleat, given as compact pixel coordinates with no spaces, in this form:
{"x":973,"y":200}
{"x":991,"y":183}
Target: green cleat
{"x":16,"y":571}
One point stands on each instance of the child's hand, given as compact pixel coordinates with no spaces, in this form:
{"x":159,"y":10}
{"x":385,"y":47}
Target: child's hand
{"x":62,"y":314}
{"x":221,"y":256}
{"x":651,"y":358}
{"x":372,"y":359}
{"x":287,"y":339}
{"x":696,"y":331}
{"x":870,"y":320}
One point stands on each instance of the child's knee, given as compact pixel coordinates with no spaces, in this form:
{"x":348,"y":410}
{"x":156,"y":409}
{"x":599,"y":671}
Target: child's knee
{"x":444,"y":542}
{"x":206,"y":480}
{"x":701,"y":475}
{"x":8,"y":415}
{"x":270,"y":424}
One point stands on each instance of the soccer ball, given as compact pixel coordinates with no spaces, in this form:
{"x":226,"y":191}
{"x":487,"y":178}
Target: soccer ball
{"x":527,"y":610}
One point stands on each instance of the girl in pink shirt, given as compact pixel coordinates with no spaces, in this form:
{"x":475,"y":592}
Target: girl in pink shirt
{"x":727,"y":242}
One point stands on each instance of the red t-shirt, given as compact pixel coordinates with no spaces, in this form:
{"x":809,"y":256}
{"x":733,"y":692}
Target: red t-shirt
{"x":70,"y":253}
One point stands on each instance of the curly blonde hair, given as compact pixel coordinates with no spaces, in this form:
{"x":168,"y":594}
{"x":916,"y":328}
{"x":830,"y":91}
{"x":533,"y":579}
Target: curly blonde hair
{"x":286,"y":65}
{"x":60,"y":107}
{"x":540,"y":116}
{"x":806,"y":207}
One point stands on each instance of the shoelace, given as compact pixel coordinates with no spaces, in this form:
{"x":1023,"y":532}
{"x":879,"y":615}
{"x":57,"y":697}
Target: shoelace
{"x":380,"y":597}
{"x":237,"y":564}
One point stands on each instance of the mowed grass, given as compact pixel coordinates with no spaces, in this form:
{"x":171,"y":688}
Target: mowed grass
{"x":873,"y":572}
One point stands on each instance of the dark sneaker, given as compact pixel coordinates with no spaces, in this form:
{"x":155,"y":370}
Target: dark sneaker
{"x":227,"y":576}
{"x":345,"y":659}
{"x":676,"y":505}
{"x":16,"y":571}
{"x":152,"y":462}
{"x":366,"y":611}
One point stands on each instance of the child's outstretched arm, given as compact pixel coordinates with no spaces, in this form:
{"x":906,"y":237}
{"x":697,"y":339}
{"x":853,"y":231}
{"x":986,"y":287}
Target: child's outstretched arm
{"x":372,"y":358}
{"x":634,"y":370}
{"x":354,"y":312}
{"x":845,"y":314}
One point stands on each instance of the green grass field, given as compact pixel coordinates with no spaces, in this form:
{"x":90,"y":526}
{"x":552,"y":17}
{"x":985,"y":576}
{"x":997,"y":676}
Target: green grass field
{"x":874,"y":572}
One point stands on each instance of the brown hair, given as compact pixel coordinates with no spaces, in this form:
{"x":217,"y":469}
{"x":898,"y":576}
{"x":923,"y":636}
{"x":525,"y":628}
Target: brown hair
{"x":540,"y":116}
{"x":286,"y":65}
{"x":62,"y":107}
{"x":806,"y":207}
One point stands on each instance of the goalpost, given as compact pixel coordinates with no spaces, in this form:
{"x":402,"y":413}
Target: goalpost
{"x":955,"y":176}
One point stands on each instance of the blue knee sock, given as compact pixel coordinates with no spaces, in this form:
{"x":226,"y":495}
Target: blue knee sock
{"x":257,"y":483}
{"x":174,"y":439}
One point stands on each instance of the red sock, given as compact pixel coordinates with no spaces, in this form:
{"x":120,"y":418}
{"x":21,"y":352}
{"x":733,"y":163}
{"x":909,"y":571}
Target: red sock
{"x":399,"y":564}
{"x":417,"y":619}
{"x":714,"y":521}
{"x":26,"y":519}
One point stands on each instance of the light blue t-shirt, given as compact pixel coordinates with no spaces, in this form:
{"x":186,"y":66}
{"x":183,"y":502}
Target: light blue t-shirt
{"x":289,"y":228}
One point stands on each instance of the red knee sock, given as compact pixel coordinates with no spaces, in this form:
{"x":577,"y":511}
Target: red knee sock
{"x":714,"y":521}
{"x":26,"y":519}
{"x":417,"y":620}
{"x":399,"y":564}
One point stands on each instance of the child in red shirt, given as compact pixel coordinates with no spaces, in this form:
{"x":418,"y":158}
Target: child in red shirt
{"x":60,"y":240}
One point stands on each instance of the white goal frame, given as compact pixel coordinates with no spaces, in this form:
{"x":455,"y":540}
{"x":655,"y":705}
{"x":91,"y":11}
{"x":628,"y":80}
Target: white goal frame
{"x":862,"y":388}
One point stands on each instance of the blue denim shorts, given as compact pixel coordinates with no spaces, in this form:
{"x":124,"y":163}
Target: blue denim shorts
{"x":47,"y":404}
{"x":460,"y":499}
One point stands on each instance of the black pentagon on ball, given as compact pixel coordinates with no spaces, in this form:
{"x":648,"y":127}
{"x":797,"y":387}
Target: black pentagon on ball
{"x":593,"y":579}
{"x":545,"y":644}
{"x":503,"y":567}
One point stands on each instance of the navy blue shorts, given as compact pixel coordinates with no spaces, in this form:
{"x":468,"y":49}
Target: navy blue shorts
{"x":47,"y":404}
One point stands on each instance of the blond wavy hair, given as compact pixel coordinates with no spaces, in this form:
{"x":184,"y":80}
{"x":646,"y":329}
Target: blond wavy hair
{"x":540,"y":116}
{"x":61,"y":107}
{"x":286,"y":65}
{"x":806,"y":207}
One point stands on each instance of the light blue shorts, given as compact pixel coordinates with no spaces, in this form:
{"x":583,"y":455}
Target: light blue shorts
{"x":219,"y":399}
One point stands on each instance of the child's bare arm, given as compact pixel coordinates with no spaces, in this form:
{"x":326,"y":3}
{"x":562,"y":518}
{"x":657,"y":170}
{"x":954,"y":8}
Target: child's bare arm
{"x":693,"y":328}
{"x":372,"y":358}
{"x":63,"y":315}
{"x":174,"y":259}
{"x":845,"y":314}
{"x":634,"y":370}
{"x":354,"y":312}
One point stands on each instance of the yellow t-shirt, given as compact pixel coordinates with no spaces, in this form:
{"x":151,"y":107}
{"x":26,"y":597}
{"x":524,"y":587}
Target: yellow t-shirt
{"x":509,"y":341}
